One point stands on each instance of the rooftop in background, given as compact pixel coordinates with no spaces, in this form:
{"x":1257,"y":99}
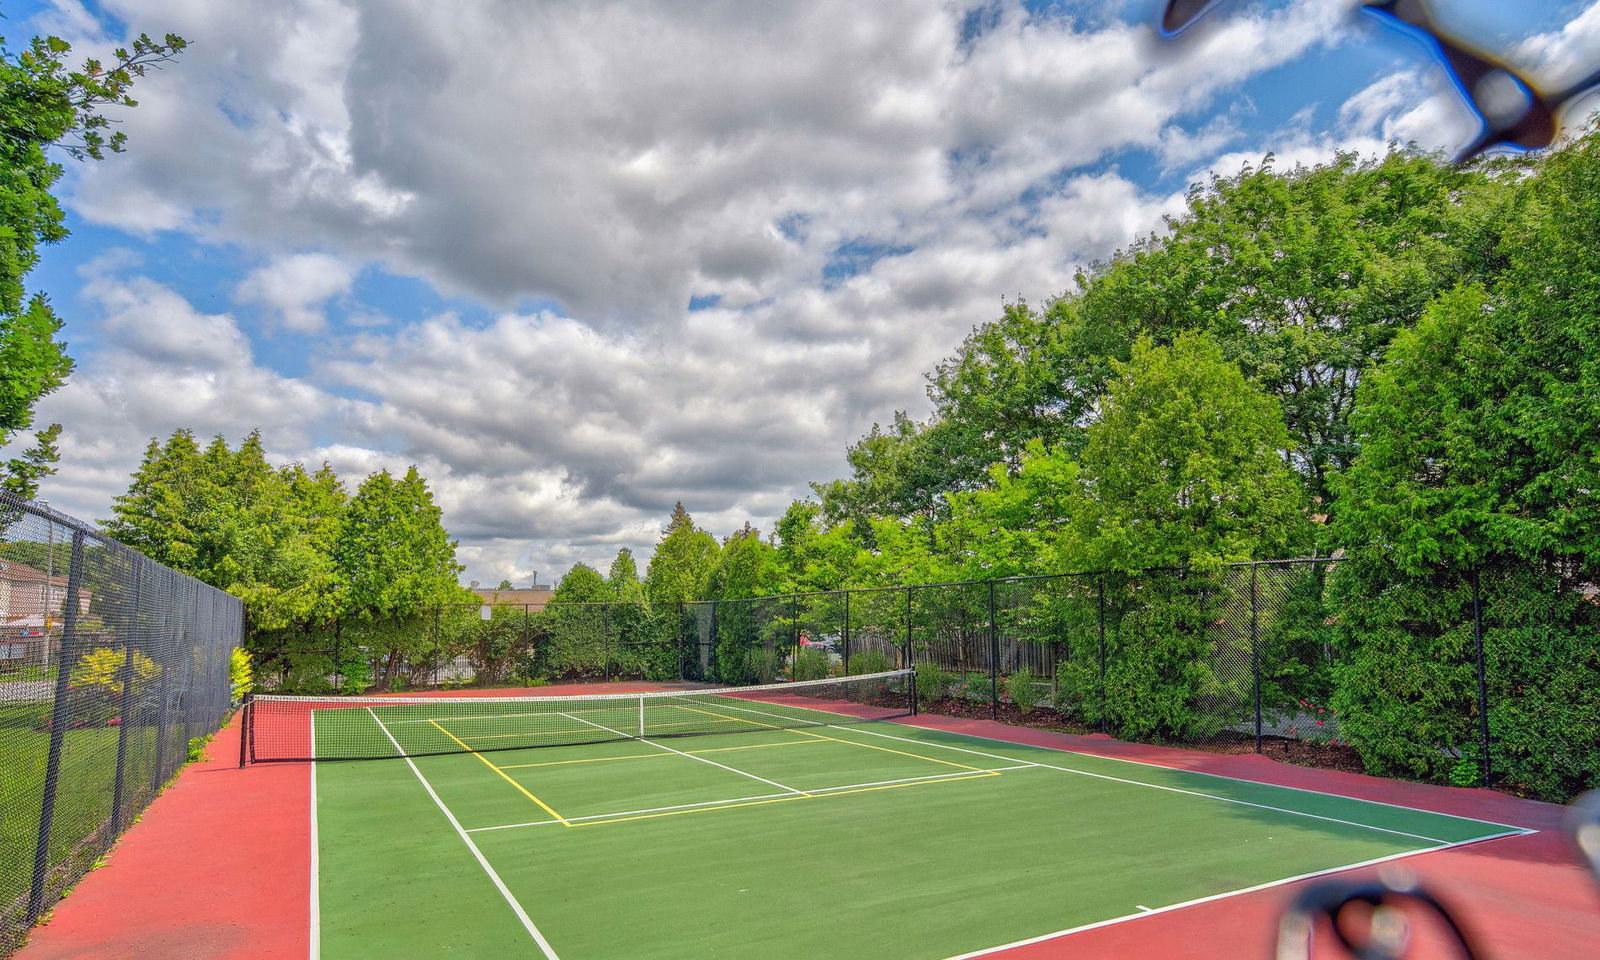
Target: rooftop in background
{"x":534,"y":598}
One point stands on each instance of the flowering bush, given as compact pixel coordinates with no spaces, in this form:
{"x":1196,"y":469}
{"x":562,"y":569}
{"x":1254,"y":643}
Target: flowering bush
{"x":1316,"y":724}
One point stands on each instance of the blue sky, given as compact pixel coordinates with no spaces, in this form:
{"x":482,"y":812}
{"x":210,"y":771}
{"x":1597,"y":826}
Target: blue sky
{"x":578,"y":261}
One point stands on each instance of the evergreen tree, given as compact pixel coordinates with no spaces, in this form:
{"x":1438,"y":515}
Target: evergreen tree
{"x":681,"y":565}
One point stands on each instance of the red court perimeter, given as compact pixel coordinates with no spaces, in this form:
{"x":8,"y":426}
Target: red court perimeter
{"x":219,"y":869}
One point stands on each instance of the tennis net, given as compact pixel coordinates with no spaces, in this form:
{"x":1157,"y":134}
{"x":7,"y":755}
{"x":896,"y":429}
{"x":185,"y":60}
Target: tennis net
{"x":369,"y":728}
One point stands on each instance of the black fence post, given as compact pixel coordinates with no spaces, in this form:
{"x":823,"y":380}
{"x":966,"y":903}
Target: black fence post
{"x":1483,"y":681}
{"x":710,"y":656}
{"x":125,"y":678}
{"x":1255,"y":651}
{"x":683,"y":648}
{"x":794,"y":628}
{"x":605,"y":632}
{"x":846,"y":634}
{"x":1100,"y":603}
{"x":58,"y":728}
{"x":338,"y":655}
{"x":436,"y":609}
{"x":911,"y":656}
{"x":994,"y":660}
{"x":124,"y":720}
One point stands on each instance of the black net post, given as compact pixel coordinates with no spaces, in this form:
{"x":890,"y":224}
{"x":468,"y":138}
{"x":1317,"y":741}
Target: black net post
{"x":994,"y":659}
{"x":1255,"y":651}
{"x":1100,"y":614}
{"x":244,"y":731}
{"x":1483,"y":681}
{"x":58,"y":728}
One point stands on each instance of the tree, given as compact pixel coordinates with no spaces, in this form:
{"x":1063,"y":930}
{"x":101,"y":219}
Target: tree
{"x":1014,"y":526}
{"x":43,"y":104}
{"x":504,"y":585}
{"x":1301,"y":277}
{"x":581,"y":584}
{"x":811,"y":556}
{"x":745,"y":567}
{"x":623,"y":580}
{"x":1184,"y":467}
{"x":395,"y":562}
{"x":682,"y":562}
{"x":1480,"y":452}
{"x":167,"y":494}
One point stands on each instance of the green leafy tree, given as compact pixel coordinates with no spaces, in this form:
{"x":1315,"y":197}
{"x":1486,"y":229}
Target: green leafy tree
{"x":1479,"y":450}
{"x":574,"y":633}
{"x":1013,"y":526}
{"x":45,"y":104}
{"x":812,"y":556}
{"x":1302,"y":277}
{"x":395,"y":564}
{"x":746,"y":567}
{"x":682,"y":563}
{"x":1184,"y":467}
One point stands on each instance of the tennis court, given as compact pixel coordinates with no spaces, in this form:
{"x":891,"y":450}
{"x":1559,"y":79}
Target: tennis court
{"x":803,"y":820}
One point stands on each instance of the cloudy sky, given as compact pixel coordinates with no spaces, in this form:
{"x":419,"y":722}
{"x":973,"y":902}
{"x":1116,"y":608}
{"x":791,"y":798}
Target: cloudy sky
{"x":577,"y":260}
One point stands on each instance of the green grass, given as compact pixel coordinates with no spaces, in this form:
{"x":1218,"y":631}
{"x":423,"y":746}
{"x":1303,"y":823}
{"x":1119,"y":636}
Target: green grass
{"x":900,"y":849}
{"x":83,"y":799}
{"x":30,"y":672}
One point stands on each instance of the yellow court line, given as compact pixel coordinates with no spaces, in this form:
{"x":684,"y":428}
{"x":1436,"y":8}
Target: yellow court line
{"x":976,"y":775}
{"x":525,"y":792}
{"x":819,"y":736}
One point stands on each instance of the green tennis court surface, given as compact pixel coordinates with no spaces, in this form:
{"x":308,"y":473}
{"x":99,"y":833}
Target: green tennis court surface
{"x":797,"y":836}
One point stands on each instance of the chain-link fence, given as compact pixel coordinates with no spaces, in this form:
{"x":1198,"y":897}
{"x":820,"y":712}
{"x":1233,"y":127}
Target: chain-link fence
{"x":1472,"y":677}
{"x":476,"y":644}
{"x":110,"y":665}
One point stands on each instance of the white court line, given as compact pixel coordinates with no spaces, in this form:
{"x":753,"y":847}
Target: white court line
{"x":815,"y":793}
{"x":662,"y":746}
{"x":315,"y":939}
{"x":1098,"y":756}
{"x":483,"y":861}
{"x":1192,"y":793}
{"x":987,"y":951}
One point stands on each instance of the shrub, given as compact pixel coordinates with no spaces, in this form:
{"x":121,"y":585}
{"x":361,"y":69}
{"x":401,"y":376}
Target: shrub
{"x":101,"y":670}
{"x":933,"y":682}
{"x":1022,"y":689}
{"x":811,"y":664}
{"x":241,"y":672}
{"x":868,"y":661}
